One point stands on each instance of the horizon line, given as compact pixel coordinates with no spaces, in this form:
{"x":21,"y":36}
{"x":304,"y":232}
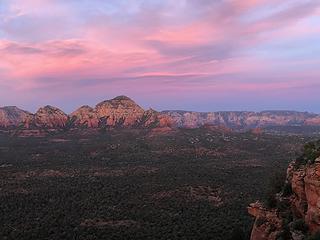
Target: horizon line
{"x":164,"y":110}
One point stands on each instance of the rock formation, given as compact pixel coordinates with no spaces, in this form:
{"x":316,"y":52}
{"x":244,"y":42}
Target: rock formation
{"x":297,"y":212}
{"x":50,"y":117}
{"x":120,"y":111}
{"x":267,"y":224}
{"x":152,"y":118}
{"x":14,"y":117}
{"x":85,"y":116}
{"x":123,"y":112}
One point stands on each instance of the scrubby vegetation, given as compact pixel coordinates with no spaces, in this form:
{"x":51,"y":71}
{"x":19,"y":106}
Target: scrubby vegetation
{"x":300,"y":225}
{"x":315,"y":236}
{"x":136,"y":184}
{"x":275,"y":186}
{"x":287,"y":190}
{"x":311,"y":152}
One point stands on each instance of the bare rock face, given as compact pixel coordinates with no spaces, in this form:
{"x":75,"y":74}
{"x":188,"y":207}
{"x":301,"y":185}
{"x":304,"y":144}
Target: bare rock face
{"x":15,"y":117}
{"x":267,"y":224}
{"x":304,"y":205}
{"x":85,"y":116}
{"x":149,"y":118}
{"x":305,"y":183}
{"x":152,"y":118}
{"x":299,"y":202}
{"x":312,"y":191}
{"x":120,"y":111}
{"x":50,"y":117}
{"x":165,"y":121}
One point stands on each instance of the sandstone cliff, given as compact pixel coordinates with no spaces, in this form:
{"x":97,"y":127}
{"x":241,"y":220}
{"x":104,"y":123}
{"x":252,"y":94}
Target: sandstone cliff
{"x":119,"y":112}
{"x":85,"y":116}
{"x":14,"y":117}
{"x":152,"y":118}
{"x":296,"y":214}
{"x":50,"y":117}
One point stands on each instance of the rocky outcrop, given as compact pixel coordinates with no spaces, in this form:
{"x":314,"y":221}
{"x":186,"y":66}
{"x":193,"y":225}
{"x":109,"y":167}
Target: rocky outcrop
{"x":85,"y":116}
{"x":267,"y":225}
{"x":312,"y":193}
{"x":120,"y":111}
{"x":299,"y":201}
{"x":14,"y":117}
{"x":299,"y":215}
{"x":50,"y":117}
{"x":152,"y":118}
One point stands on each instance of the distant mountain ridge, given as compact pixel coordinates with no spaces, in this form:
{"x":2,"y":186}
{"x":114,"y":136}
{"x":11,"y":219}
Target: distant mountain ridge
{"x":123,"y":112}
{"x":243,"y":119}
{"x":117,"y":112}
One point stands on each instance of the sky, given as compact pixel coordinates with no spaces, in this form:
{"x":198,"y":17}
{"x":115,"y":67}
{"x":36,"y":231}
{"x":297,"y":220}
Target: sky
{"x":201,"y":55}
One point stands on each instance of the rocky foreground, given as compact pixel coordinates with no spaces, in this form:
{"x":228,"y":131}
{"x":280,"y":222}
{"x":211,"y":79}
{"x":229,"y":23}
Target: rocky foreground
{"x":125,"y":113}
{"x":294,"y":213}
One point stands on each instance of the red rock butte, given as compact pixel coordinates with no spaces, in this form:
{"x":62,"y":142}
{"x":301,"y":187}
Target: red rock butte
{"x":123,"y":112}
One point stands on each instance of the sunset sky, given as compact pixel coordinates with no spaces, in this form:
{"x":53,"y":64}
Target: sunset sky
{"x":204,"y":55}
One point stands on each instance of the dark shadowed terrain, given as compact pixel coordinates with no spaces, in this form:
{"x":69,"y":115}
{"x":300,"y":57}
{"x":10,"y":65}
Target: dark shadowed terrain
{"x":137,"y":184}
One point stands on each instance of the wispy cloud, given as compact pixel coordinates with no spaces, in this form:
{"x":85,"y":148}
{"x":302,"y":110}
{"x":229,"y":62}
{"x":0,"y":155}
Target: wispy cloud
{"x":53,"y":44}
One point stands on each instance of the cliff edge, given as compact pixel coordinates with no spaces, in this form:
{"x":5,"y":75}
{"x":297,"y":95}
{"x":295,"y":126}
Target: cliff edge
{"x":295,"y":212}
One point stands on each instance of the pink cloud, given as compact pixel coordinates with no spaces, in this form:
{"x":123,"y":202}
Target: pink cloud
{"x":54,"y":45}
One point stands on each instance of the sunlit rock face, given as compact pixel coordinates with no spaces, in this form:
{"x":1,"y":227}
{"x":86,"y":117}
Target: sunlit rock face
{"x":50,"y":117}
{"x":15,"y":117}
{"x":154,"y":119}
{"x":85,"y":116}
{"x":120,"y":111}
